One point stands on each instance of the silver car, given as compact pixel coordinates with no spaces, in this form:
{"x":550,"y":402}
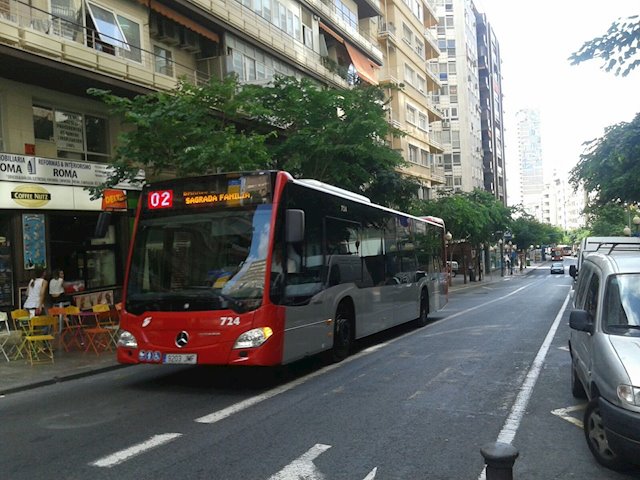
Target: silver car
{"x":605,"y":354}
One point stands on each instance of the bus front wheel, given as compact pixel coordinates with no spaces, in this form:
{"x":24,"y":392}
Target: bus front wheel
{"x":342,"y":334}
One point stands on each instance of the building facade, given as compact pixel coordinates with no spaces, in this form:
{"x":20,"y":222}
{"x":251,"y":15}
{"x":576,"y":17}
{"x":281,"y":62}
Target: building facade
{"x":491,"y":111}
{"x":530,"y":161}
{"x":55,"y":139}
{"x":459,"y":96}
{"x":409,"y":47}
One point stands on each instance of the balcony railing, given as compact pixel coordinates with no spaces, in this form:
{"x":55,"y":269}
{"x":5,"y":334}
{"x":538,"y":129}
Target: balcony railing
{"x":52,"y":35}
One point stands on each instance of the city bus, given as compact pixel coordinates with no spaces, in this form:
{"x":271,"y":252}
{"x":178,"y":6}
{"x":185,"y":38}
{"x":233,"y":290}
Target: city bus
{"x":264,"y":269}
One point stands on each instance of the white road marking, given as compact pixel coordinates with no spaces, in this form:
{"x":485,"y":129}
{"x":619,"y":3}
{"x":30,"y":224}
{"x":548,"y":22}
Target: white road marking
{"x":564,"y":414}
{"x":512,"y":423}
{"x":303,"y":467}
{"x":127,"y":453}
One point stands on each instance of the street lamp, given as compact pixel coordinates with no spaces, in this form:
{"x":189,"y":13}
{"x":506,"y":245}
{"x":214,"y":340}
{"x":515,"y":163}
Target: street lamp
{"x":501,"y":243}
{"x":636,"y":224}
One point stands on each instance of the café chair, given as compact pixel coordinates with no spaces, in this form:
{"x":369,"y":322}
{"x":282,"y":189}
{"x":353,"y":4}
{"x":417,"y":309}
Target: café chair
{"x":20,"y":319}
{"x":39,"y":340}
{"x":99,"y":336}
{"x":72,"y":331}
{"x":5,"y":334}
{"x":59,"y":313}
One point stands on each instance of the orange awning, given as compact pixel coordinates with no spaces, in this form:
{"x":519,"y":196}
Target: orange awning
{"x":331,"y":32}
{"x":366,"y":68}
{"x":181,"y":19}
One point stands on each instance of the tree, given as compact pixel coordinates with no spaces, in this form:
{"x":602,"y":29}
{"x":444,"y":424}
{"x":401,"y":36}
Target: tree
{"x":617,"y":47}
{"x":607,"y":220}
{"x":192,"y":130}
{"x":528,"y":231}
{"x":335,"y":136}
{"x":609,"y":167}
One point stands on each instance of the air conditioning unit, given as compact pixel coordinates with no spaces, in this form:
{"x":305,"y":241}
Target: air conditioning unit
{"x":169,"y":32}
{"x":189,"y":40}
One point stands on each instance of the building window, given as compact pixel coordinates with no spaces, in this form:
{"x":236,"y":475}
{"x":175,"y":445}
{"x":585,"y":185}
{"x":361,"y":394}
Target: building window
{"x":422,"y":122}
{"x":413,"y":154}
{"x":411,"y":114}
{"x":70,"y":135}
{"x":108,"y":29}
{"x":409,"y":75}
{"x":163,"y":61}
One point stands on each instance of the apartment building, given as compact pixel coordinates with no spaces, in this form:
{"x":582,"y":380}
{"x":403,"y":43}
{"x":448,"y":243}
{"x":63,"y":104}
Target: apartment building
{"x":530,"y":160}
{"x":459,"y":97}
{"x":409,"y":47}
{"x":491,"y":111}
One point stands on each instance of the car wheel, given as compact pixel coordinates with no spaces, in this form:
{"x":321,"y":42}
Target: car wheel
{"x":577,"y":390}
{"x":342,"y":335}
{"x":596,"y":437}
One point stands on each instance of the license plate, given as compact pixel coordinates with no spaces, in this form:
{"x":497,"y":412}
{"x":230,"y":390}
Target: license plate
{"x":180,"y":358}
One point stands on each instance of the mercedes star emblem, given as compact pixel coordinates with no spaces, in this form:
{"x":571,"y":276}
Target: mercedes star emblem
{"x":182,"y":339}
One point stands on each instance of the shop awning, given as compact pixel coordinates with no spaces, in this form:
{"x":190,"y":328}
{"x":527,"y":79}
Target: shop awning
{"x":366,"y":68}
{"x":331,"y":32}
{"x":181,"y":19}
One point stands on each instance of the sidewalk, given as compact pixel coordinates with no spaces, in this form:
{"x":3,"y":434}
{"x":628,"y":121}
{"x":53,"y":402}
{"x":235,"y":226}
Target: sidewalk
{"x":457,"y":282}
{"x":19,"y":375}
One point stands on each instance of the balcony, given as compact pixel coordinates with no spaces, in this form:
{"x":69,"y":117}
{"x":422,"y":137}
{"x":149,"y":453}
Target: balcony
{"x":49,"y":36}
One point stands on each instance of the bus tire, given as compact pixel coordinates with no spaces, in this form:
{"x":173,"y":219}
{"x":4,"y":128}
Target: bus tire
{"x":422,"y":320}
{"x":343,"y":333}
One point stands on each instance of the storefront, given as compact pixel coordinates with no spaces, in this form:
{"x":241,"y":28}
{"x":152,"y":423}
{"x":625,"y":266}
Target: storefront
{"x":48,"y":219}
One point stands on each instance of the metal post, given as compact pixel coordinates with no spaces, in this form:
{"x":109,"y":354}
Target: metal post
{"x":501,"y":259}
{"x":499,"y":458}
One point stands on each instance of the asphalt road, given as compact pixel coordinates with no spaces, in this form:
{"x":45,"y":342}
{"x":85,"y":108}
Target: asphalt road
{"x":410,"y":404}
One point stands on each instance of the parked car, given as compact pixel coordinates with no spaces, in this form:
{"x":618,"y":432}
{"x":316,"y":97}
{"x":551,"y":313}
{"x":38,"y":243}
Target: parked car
{"x":604,"y":343}
{"x":453,"y":267}
{"x":557,"y":267}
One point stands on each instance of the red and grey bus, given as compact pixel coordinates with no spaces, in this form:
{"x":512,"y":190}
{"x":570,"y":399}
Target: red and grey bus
{"x":261,"y":268}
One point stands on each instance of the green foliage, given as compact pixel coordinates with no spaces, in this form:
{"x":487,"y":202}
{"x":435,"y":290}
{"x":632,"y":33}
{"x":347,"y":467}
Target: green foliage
{"x":609,"y":168}
{"x":617,"y":48}
{"x":528,"y":231}
{"x":473,"y":217}
{"x":189,"y":131}
{"x":335,"y":136}
{"x":607,"y":220}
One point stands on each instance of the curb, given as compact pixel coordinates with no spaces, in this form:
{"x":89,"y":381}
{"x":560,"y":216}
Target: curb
{"x":60,"y":379}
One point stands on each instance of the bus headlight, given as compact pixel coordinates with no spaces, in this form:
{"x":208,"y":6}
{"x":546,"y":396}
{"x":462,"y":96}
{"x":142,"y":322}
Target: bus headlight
{"x":253,"y":338}
{"x":127,"y":340}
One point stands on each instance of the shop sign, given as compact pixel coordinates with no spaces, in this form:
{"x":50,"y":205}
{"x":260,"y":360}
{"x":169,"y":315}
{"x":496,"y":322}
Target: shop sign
{"x":31,"y":196}
{"x":25,"y":168}
{"x":46,"y":197}
{"x":114,"y":199}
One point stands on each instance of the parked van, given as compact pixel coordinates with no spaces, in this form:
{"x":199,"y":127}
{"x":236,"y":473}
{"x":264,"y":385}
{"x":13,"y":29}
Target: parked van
{"x":604,"y":344}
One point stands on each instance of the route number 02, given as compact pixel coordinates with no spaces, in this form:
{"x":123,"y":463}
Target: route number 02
{"x":160,"y":199}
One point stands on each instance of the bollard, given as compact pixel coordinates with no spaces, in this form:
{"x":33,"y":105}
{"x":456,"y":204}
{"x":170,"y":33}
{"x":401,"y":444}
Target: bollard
{"x":499,"y":458}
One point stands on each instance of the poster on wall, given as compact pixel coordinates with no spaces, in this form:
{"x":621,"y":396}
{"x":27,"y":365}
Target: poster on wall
{"x":35,"y":250}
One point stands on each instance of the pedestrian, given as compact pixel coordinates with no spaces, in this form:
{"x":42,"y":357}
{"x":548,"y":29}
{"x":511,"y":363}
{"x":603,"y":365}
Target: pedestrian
{"x":56,"y":288}
{"x":36,"y":292}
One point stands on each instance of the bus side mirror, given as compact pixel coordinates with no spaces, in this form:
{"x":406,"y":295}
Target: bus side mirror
{"x":294,"y":226}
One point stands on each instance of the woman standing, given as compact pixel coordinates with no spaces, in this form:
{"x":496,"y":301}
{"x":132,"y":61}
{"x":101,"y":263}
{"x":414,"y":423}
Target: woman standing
{"x":36,"y":293}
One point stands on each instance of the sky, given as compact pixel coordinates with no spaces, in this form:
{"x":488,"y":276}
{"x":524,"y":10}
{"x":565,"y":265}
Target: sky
{"x":576,"y":102}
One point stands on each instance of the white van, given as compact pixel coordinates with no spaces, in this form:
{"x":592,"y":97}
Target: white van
{"x":604,"y":343}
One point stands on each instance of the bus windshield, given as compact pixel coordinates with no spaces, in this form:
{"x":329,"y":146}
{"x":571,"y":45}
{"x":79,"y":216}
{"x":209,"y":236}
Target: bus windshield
{"x":200,"y":260}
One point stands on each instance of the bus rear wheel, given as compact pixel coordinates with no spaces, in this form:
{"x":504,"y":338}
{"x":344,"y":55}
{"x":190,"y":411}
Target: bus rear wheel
{"x":422,"y":320}
{"x":342,"y":334}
